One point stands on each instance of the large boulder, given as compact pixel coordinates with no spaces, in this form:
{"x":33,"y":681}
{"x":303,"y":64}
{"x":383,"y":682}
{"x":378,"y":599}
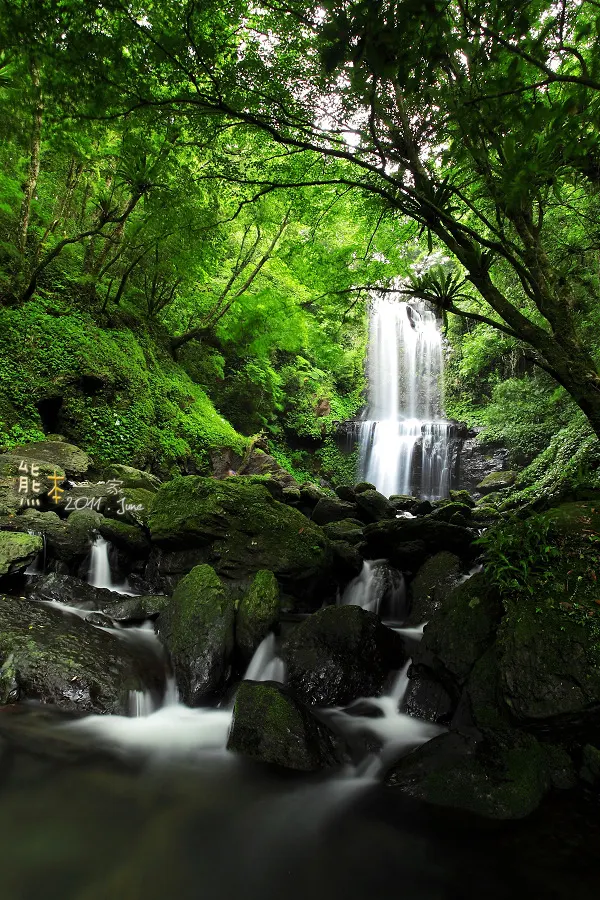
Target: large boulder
{"x":57,"y":658}
{"x":70,"y":591}
{"x":331,"y":509}
{"x":339,"y":654}
{"x":197,"y":629}
{"x":271,"y":726}
{"x":373,"y":506}
{"x":66,"y":540}
{"x":502,"y":777}
{"x":348,"y":530}
{"x":227,"y":462}
{"x":128,"y":477}
{"x":549,"y":646}
{"x":431,"y":586}
{"x":424,"y":536}
{"x":58,"y":455}
{"x":257,"y":614}
{"x":239,"y":528}
{"x":461,"y":630}
{"x":497,"y":481}
{"x":17,"y":551}
{"x":26,"y":481}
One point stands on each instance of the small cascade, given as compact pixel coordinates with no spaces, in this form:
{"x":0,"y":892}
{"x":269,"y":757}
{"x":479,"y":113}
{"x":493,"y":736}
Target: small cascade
{"x":100,"y":575}
{"x":265,"y":665}
{"x":378,"y":588}
{"x":38,"y":566}
{"x":405,"y":367}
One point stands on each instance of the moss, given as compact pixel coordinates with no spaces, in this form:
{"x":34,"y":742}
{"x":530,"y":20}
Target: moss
{"x":257,"y":613}
{"x":17,"y":551}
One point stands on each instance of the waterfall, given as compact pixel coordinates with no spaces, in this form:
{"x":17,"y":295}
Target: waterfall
{"x":265,"y":665}
{"x":378,"y":588}
{"x":405,"y":366}
{"x":100,"y":575}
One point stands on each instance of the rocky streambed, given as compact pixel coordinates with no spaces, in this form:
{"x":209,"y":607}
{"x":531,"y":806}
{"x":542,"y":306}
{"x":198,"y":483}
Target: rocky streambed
{"x":258,"y":623}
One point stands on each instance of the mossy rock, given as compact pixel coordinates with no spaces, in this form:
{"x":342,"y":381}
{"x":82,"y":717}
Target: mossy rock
{"x":12,"y":499}
{"x":339,"y":654}
{"x":462,"y":497}
{"x":364,"y":486}
{"x":67,"y":540}
{"x":403,"y":502}
{"x":373,"y":506}
{"x":197,"y":629}
{"x":432,"y":585}
{"x":462,"y":628}
{"x":332,"y":509}
{"x":497,"y":481}
{"x":257,"y":614}
{"x":271,"y":726}
{"x":129,"y":538}
{"x":242,"y":529}
{"x":138,"y":608}
{"x":57,"y":454}
{"x":384,"y":540}
{"x":17,"y":551}
{"x":129,"y":477}
{"x":349,"y":530}
{"x":132,"y":506}
{"x":505,"y":776}
{"x":485,"y":515}
{"x":447,"y":511}
{"x":57,"y":658}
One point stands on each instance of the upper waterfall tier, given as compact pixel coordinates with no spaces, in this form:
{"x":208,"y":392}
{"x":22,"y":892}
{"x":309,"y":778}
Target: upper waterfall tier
{"x":405,"y":368}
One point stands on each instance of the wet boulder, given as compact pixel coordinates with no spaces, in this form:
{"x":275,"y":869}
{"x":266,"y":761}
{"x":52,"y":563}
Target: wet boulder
{"x":331,"y":509}
{"x":144,"y":606}
{"x":58,"y":455}
{"x":402,"y":502}
{"x":349,"y":530}
{"x":237,"y":526}
{"x":364,"y":486}
{"x":462,"y":497}
{"x":17,"y":551}
{"x":271,"y":726}
{"x":346,"y":493}
{"x":347,"y":561}
{"x":504,"y":776}
{"x":339,"y":654}
{"x":57,"y":658}
{"x":197,"y":628}
{"x":448,"y":511}
{"x":373,"y":506}
{"x":70,"y":591}
{"x":431,"y":586}
{"x":387,"y":539}
{"x":257,"y":613}
{"x":131,"y":539}
{"x":128,"y":477}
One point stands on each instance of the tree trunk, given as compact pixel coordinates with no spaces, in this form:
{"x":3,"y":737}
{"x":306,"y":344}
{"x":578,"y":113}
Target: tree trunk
{"x":34,"y":160}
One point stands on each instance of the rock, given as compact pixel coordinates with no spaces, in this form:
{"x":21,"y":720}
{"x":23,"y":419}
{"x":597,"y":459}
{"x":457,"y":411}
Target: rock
{"x":346,"y":493}
{"x":497,"y":481}
{"x":146,"y":606}
{"x":165,"y":569}
{"x":426,"y":698}
{"x":349,"y":530}
{"x":446,"y":512}
{"x":549,"y":652}
{"x":590,"y":764}
{"x":373,"y":506}
{"x":485,"y":515}
{"x":461,"y":630}
{"x":403,"y":502}
{"x":310,"y":495}
{"x":227,"y":462}
{"x":462,"y":497}
{"x":17,"y":551}
{"x":16,"y":495}
{"x":197,"y":629}
{"x":329,"y":509}
{"x":129,"y":538}
{"x":257,"y":614}
{"x":132,"y":506}
{"x":347,"y":561}
{"x":72,"y":592}
{"x":271,"y":726}
{"x":477,"y":461}
{"x":57,"y":658}
{"x":386,"y":539}
{"x":364,"y":486}
{"x":239,"y":528}
{"x":339,"y":654}
{"x":422,"y":508}
{"x":66,"y":540}
{"x":505,"y":777}
{"x":131,"y":478}
{"x":291,"y":495}
{"x":58,"y":454}
{"x":432,"y":585}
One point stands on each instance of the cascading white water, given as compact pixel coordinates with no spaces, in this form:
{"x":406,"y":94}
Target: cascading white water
{"x":265,"y":665}
{"x":100,"y":575}
{"x":378,"y":588}
{"x":405,"y":366}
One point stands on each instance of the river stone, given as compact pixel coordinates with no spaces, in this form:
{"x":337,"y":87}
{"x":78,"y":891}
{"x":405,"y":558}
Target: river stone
{"x":347,"y":561}
{"x":364,"y":486}
{"x":131,"y":478}
{"x":129,"y":538}
{"x":346,"y":493}
{"x":58,"y":658}
{"x":239,"y":529}
{"x":403,"y":502}
{"x":374,"y":506}
{"x":197,"y":629}
{"x":431,"y":586}
{"x":448,"y":511}
{"x":58,"y":454}
{"x":72,"y":592}
{"x":257,"y":614}
{"x":330,"y":509}
{"x":462,"y":497}
{"x":349,"y":530}
{"x":503,"y":777}
{"x":497,"y":481}
{"x":383,"y":540}
{"x":17,"y":551}
{"x":66,"y":540}
{"x":271,"y":726}
{"x":131,"y":505}
{"x":137,"y":608}
{"x":339,"y":654}
{"x":461,"y":629}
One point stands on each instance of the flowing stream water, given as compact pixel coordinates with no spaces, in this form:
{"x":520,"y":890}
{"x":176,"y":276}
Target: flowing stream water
{"x":405,"y":366}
